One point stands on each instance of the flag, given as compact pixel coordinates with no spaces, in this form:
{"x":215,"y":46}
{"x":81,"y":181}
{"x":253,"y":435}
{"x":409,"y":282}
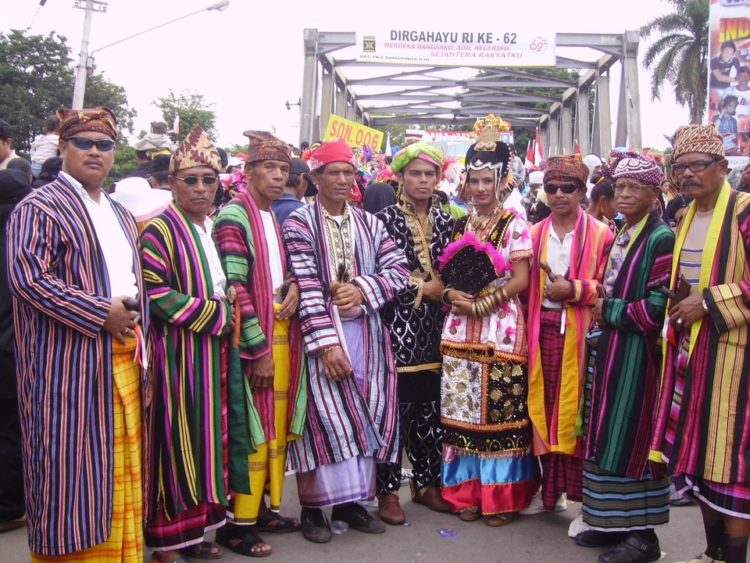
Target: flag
{"x":538,"y":149}
{"x":529,"y":153}
{"x":176,"y":124}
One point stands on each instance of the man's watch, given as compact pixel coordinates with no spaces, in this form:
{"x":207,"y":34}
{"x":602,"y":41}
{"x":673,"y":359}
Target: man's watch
{"x":705,"y":306}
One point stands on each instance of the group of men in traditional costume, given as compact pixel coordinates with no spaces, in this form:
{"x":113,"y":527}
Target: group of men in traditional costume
{"x":498,"y":356}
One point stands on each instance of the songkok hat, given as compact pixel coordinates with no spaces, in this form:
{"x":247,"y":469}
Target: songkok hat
{"x":196,"y":150}
{"x":697,"y":138}
{"x":422,"y":150}
{"x":489,"y":151}
{"x":137,"y":196}
{"x":639,"y":168}
{"x":536,"y":178}
{"x":264,"y":146}
{"x":568,"y":168}
{"x":74,"y":121}
{"x":331,"y":151}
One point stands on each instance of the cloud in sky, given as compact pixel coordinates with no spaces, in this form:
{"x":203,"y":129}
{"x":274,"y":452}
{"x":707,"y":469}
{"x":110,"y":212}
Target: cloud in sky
{"x":248,"y":59}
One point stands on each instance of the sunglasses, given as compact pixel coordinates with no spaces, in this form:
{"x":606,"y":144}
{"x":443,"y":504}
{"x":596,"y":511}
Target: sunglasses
{"x":193,"y":180}
{"x":566,"y":188}
{"x":85,"y":144}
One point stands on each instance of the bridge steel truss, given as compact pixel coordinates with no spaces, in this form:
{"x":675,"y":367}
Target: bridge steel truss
{"x":422,"y":95}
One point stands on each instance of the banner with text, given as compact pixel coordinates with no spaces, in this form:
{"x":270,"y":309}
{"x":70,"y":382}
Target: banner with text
{"x":501,"y":46}
{"x":729,"y":75}
{"x":355,"y":134}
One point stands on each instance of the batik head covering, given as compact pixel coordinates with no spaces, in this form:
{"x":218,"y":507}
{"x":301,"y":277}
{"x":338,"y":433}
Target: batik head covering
{"x":422,"y":150}
{"x":697,"y":138}
{"x":489,"y":151}
{"x":568,"y":168}
{"x":331,"y":151}
{"x":74,"y":121}
{"x":639,"y":168}
{"x":196,"y":150}
{"x":264,"y":146}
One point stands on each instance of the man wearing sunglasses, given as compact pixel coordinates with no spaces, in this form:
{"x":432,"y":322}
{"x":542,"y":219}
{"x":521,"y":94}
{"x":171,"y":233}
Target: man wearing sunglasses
{"x":270,"y":343}
{"x":570,"y":250}
{"x":348,"y":268}
{"x":703,"y":425}
{"x":76,"y":279}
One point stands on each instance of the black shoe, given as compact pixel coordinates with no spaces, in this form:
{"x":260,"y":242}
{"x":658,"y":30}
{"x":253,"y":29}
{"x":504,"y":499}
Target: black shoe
{"x":357,"y":517}
{"x":315,"y":527}
{"x":597,"y":538}
{"x":632,"y":550}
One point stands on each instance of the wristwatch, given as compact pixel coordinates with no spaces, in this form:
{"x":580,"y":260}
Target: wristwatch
{"x":705,"y":306}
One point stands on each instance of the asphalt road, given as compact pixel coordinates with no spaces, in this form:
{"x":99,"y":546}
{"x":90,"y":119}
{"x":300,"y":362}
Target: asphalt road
{"x":540,"y":538}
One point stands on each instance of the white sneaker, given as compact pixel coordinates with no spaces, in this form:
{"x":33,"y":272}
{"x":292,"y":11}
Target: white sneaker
{"x":535,"y":507}
{"x":562,"y":503}
{"x":702,"y":558}
{"x":577,"y":526}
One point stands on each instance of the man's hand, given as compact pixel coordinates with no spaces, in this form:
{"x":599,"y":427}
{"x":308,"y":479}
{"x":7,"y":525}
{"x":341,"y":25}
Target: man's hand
{"x":346,"y":295}
{"x":687,"y":311}
{"x":290,"y":303}
{"x":433,"y":289}
{"x":559,"y":290}
{"x":261,"y":372}
{"x":456,"y":295}
{"x":120,"y":322}
{"x":336,"y":364}
{"x":599,"y":312}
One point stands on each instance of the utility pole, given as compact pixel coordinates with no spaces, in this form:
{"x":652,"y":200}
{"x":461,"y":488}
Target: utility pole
{"x":83,"y":58}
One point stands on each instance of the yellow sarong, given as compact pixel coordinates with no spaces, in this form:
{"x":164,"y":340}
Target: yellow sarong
{"x":125,"y":541}
{"x":267,"y":463}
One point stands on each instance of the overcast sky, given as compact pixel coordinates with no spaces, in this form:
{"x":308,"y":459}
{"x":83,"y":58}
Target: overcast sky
{"x":248,"y":59}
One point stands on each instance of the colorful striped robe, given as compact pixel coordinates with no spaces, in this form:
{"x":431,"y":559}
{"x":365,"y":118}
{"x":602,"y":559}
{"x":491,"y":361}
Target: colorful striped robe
{"x":342,"y":422}
{"x":703,"y":429}
{"x":185,"y":439}
{"x":626,"y":379}
{"x":61,"y":298}
{"x":243,"y":248}
{"x":592,"y":241}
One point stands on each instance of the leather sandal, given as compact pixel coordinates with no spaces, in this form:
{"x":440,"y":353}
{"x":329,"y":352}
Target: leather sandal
{"x":499,"y":520}
{"x":471,"y":514}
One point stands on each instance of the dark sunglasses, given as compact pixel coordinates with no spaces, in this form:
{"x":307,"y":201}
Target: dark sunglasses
{"x":85,"y":144}
{"x":566,"y":188}
{"x":193,"y":180}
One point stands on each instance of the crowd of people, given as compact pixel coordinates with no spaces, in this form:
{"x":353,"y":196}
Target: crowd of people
{"x":178,"y":344}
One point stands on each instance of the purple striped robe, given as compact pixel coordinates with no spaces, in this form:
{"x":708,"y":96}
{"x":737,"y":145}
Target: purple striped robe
{"x":61,"y":299}
{"x":342,"y":422}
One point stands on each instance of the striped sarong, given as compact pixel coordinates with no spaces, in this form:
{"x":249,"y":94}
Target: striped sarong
{"x":125,"y":541}
{"x":732,"y":499}
{"x":268,"y":462}
{"x":615,"y":503}
{"x":561,"y":473}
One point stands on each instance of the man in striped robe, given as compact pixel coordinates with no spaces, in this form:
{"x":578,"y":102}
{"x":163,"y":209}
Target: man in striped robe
{"x":570,"y":251}
{"x":75,"y":277}
{"x":191,"y":312}
{"x":623,"y":500}
{"x":347,"y":267}
{"x":703,"y":426}
{"x":270,"y":347}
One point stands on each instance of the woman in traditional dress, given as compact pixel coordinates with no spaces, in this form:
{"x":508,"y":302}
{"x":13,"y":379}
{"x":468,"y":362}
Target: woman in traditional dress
{"x":488,"y":468}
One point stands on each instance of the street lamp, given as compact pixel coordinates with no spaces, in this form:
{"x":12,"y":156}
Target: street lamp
{"x":85,"y":56}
